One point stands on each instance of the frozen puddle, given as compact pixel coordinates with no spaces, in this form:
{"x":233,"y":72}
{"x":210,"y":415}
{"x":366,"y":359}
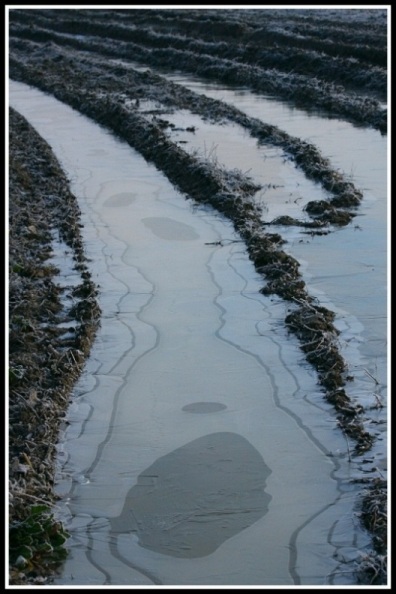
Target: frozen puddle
{"x":356,"y":253}
{"x":347,"y":269}
{"x":192,"y":454}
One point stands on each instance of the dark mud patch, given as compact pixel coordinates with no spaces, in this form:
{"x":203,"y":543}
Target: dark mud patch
{"x":48,"y":344}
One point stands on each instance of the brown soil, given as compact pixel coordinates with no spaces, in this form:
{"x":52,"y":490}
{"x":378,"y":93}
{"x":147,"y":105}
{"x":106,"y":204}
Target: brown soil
{"x":66,"y":53}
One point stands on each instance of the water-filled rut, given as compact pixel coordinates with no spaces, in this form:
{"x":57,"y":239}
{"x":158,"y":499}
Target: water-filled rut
{"x":191,"y":455}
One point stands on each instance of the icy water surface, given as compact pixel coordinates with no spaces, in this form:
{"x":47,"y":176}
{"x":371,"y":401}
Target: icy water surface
{"x":357,"y":252}
{"x":347,"y":269}
{"x":199,"y":449}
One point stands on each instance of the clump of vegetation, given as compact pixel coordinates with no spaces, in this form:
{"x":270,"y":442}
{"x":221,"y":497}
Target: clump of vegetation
{"x":36,"y":545}
{"x":372,"y":567}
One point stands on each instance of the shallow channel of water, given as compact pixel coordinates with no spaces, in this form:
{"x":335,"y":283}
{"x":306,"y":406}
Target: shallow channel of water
{"x":199,"y":449}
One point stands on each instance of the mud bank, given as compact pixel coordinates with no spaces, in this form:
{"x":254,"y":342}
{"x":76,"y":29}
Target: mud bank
{"x":51,"y":330}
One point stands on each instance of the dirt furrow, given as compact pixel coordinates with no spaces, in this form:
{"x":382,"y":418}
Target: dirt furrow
{"x":303,"y":89}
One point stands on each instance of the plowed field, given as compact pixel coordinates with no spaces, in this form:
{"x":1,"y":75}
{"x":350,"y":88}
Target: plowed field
{"x":115,"y":66}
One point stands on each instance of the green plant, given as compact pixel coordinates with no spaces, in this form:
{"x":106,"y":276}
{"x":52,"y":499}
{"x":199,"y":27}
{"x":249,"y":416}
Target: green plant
{"x":36,"y":543}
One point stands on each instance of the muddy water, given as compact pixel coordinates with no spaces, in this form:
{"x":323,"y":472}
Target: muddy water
{"x":193,"y":454}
